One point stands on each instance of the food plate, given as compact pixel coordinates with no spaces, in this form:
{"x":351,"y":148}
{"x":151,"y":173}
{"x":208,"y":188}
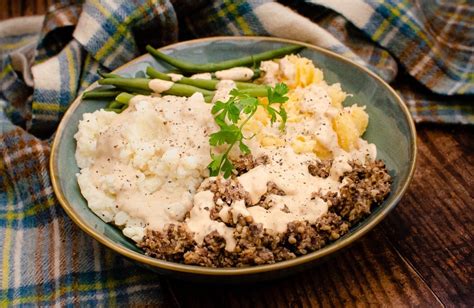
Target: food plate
{"x":390,"y":128}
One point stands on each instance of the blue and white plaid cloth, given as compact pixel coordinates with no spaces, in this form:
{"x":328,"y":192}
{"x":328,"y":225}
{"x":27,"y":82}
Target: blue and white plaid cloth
{"x":425,"y":50}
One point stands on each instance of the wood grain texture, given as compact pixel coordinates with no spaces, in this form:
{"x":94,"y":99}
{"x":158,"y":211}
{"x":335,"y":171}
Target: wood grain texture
{"x":368,"y":273}
{"x":421,"y":255}
{"x":15,"y":8}
{"x":433,"y":226}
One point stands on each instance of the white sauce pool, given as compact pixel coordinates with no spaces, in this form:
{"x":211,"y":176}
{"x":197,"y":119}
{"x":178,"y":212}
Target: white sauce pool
{"x":175,"y":77}
{"x":160,"y":86}
{"x":235,"y":73}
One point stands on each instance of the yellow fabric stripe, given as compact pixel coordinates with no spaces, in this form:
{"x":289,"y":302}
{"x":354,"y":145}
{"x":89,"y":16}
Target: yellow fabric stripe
{"x":48,"y":107}
{"x":395,"y":13}
{"x":121,"y":28}
{"x":72,"y":71}
{"x":231,"y":7}
{"x":7,"y":70}
{"x":8,"y":234}
{"x":440,"y":107}
{"x":243,"y":24}
{"x":220,"y":13}
{"x":106,"y":13}
{"x":29,"y":212}
{"x":72,"y":287}
{"x":84,"y":82}
{"x":18,"y":44}
{"x":48,"y":297}
{"x":464,"y":88}
{"x":110,"y":282}
{"x":98,"y":285}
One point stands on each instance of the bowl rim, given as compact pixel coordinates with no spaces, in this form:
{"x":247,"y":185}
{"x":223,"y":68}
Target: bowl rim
{"x":206,"y":271}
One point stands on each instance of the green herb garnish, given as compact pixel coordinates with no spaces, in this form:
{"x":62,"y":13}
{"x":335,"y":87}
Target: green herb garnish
{"x":227,"y":116}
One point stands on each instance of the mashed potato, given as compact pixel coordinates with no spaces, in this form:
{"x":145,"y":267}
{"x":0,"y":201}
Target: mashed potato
{"x":142,"y":167}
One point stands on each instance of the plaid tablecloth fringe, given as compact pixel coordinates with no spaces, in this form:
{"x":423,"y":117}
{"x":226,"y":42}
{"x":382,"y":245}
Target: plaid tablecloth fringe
{"x":424,"y":49}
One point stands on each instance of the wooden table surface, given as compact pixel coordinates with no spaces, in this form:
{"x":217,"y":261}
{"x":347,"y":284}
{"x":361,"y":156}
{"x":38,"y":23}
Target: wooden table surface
{"x":420,"y":255}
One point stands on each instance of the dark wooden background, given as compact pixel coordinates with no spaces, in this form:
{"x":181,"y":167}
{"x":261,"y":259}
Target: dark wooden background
{"x":420,"y":255}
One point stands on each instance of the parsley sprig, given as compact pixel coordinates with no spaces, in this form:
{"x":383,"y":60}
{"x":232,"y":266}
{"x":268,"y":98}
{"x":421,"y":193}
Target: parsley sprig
{"x":228,"y":115}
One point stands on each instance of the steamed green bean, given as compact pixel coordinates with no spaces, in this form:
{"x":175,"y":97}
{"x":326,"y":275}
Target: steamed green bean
{"x":212,"y":67}
{"x":209,"y":84}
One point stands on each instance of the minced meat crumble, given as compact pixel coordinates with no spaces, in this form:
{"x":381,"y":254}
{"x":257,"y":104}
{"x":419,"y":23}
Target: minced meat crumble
{"x":364,"y":187}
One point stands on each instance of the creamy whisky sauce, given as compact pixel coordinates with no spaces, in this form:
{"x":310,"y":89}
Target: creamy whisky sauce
{"x":175,"y":77}
{"x":205,"y":76}
{"x":159,"y":86}
{"x":235,"y":73}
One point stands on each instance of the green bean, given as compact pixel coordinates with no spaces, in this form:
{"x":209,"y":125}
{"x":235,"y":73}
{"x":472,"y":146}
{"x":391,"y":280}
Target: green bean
{"x":100,"y":94}
{"x":142,"y":84}
{"x":136,"y":83}
{"x":106,"y":93}
{"x":200,"y":83}
{"x":256,"y":92}
{"x":120,"y":103}
{"x":186,"y":90}
{"x":208,"y":98}
{"x":123,"y":88}
{"x":212,"y":67}
{"x":246,"y":85}
{"x":116,"y":110}
{"x":124,"y":98}
{"x":115,"y":105}
{"x":153,"y":73}
{"x":133,"y":90}
{"x":209,"y":84}
{"x":176,"y":89}
{"x":107,"y":75}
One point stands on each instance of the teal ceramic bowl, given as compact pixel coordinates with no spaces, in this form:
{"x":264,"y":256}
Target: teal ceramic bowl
{"x":390,"y":128}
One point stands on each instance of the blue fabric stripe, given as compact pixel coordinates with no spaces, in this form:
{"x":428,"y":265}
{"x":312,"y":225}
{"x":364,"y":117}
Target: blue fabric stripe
{"x":108,"y":29}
